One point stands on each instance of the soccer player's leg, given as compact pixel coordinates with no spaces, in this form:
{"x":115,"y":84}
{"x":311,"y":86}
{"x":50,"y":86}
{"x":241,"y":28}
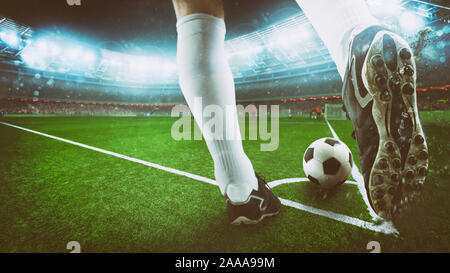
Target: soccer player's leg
{"x":204,"y":74}
{"x":379,"y":93}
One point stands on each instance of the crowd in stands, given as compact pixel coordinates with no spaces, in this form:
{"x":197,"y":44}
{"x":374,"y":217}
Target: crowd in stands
{"x":429,"y":100}
{"x":28,"y":94}
{"x":434,"y":100}
{"x":79,"y":108}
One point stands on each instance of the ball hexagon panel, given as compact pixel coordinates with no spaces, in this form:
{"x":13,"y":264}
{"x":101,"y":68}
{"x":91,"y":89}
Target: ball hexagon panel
{"x":314,"y":180}
{"x":331,"y":141}
{"x":309,"y":154}
{"x":331,"y":166}
{"x":344,"y":171}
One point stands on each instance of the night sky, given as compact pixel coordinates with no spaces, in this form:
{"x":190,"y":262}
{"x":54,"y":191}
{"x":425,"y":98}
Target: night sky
{"x":136,"y":26}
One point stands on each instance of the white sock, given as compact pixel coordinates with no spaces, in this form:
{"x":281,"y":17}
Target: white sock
{"x":334,"y":20}
{"x":204,"y":73}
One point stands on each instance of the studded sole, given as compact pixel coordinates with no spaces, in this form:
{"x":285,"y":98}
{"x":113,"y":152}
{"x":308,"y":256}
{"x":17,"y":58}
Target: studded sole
{"x":389,"y":71}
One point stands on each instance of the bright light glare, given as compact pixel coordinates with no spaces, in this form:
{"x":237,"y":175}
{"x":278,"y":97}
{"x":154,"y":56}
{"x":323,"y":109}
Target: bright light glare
{"x":410,"y":22}
{"x":10,"y":39}
{"x":42,"y":46}
{"x":291,"y":37}
{"x":169,"y":67}
{"x":385,"y":7}
{"x":89,"y":57}
{"x":73,"y":53}
{"x":31,"y":57}
{"x":140,"y":66}
{"x":54,"y":49}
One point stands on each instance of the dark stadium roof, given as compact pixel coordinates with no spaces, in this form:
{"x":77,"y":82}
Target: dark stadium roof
{"x":115,"y":24}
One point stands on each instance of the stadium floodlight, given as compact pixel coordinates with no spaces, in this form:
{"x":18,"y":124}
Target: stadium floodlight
{"x":54,"y":49}
{"x":285,"y":40}
{"x":154,"y":63}
{"x":89,"y":57}
{"x":385,"y":7}
{"x":42,"y":46}
{"x":73,"y":53}
{"x":305,"y":33}
{"x":289,"y":37}
{"x":142,"y":67}
{"x":169,"y":68}
{"x":11,"y":39}
{"x":241,"y":47}
{"x":411,"y":22}
{"x":28,"y":57}
{"x":257,"y":49}
{"x":31,"y":57}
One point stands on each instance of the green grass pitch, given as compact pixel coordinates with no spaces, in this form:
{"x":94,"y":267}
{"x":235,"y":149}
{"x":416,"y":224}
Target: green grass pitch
{"x":53,"y":192}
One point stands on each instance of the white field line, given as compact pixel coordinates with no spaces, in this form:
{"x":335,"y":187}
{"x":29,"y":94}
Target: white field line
{"x":386,"y":228}
{"x":273,"y":184}
{"x":359,"y":179}
{"x":153,"y":165}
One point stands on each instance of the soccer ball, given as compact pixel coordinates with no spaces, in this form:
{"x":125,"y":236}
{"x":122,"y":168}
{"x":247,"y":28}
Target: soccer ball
{"x":327,"y":162}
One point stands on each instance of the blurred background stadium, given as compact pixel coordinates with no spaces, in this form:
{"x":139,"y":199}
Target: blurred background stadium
{"x":45,"y":71}
{"x":112,"y":182}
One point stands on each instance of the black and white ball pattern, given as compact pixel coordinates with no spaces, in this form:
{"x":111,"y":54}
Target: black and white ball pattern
{"x":328,"y":162}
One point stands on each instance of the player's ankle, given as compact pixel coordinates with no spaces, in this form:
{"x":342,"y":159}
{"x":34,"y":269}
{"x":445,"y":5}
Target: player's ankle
{"x":239,"y":193}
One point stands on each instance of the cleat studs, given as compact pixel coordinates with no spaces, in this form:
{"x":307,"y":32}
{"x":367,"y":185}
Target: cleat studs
{"x":412,"y":160}
{"x":389,"y":147}
{"x":377,"y":61}
{"x":423,"y":155}
{"x":392,"y":190}
{"x":419,"y":139}
{"x":395,"y":177}
{"x":394,"y":83}
{"x":381,"y":205}
{"x":405,"y":54}
{"x":394,"y":210}
{"x":378,"y":194}
{"x":408,"y":70}
{"x":386,"y":95}
{"x":409,"y":175}
{"x":396,"y":163}
{"x":408,"y":89}
{"x":423,"y":171}
{"x":378,"y":180}
{"x":380,"y":80}
{"x":419,"y":186}
{"x":383,"y":163}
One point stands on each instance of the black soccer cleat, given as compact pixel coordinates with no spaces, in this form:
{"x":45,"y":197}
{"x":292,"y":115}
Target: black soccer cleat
{"x":379,"y":96}
{"x":261,"y":203}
